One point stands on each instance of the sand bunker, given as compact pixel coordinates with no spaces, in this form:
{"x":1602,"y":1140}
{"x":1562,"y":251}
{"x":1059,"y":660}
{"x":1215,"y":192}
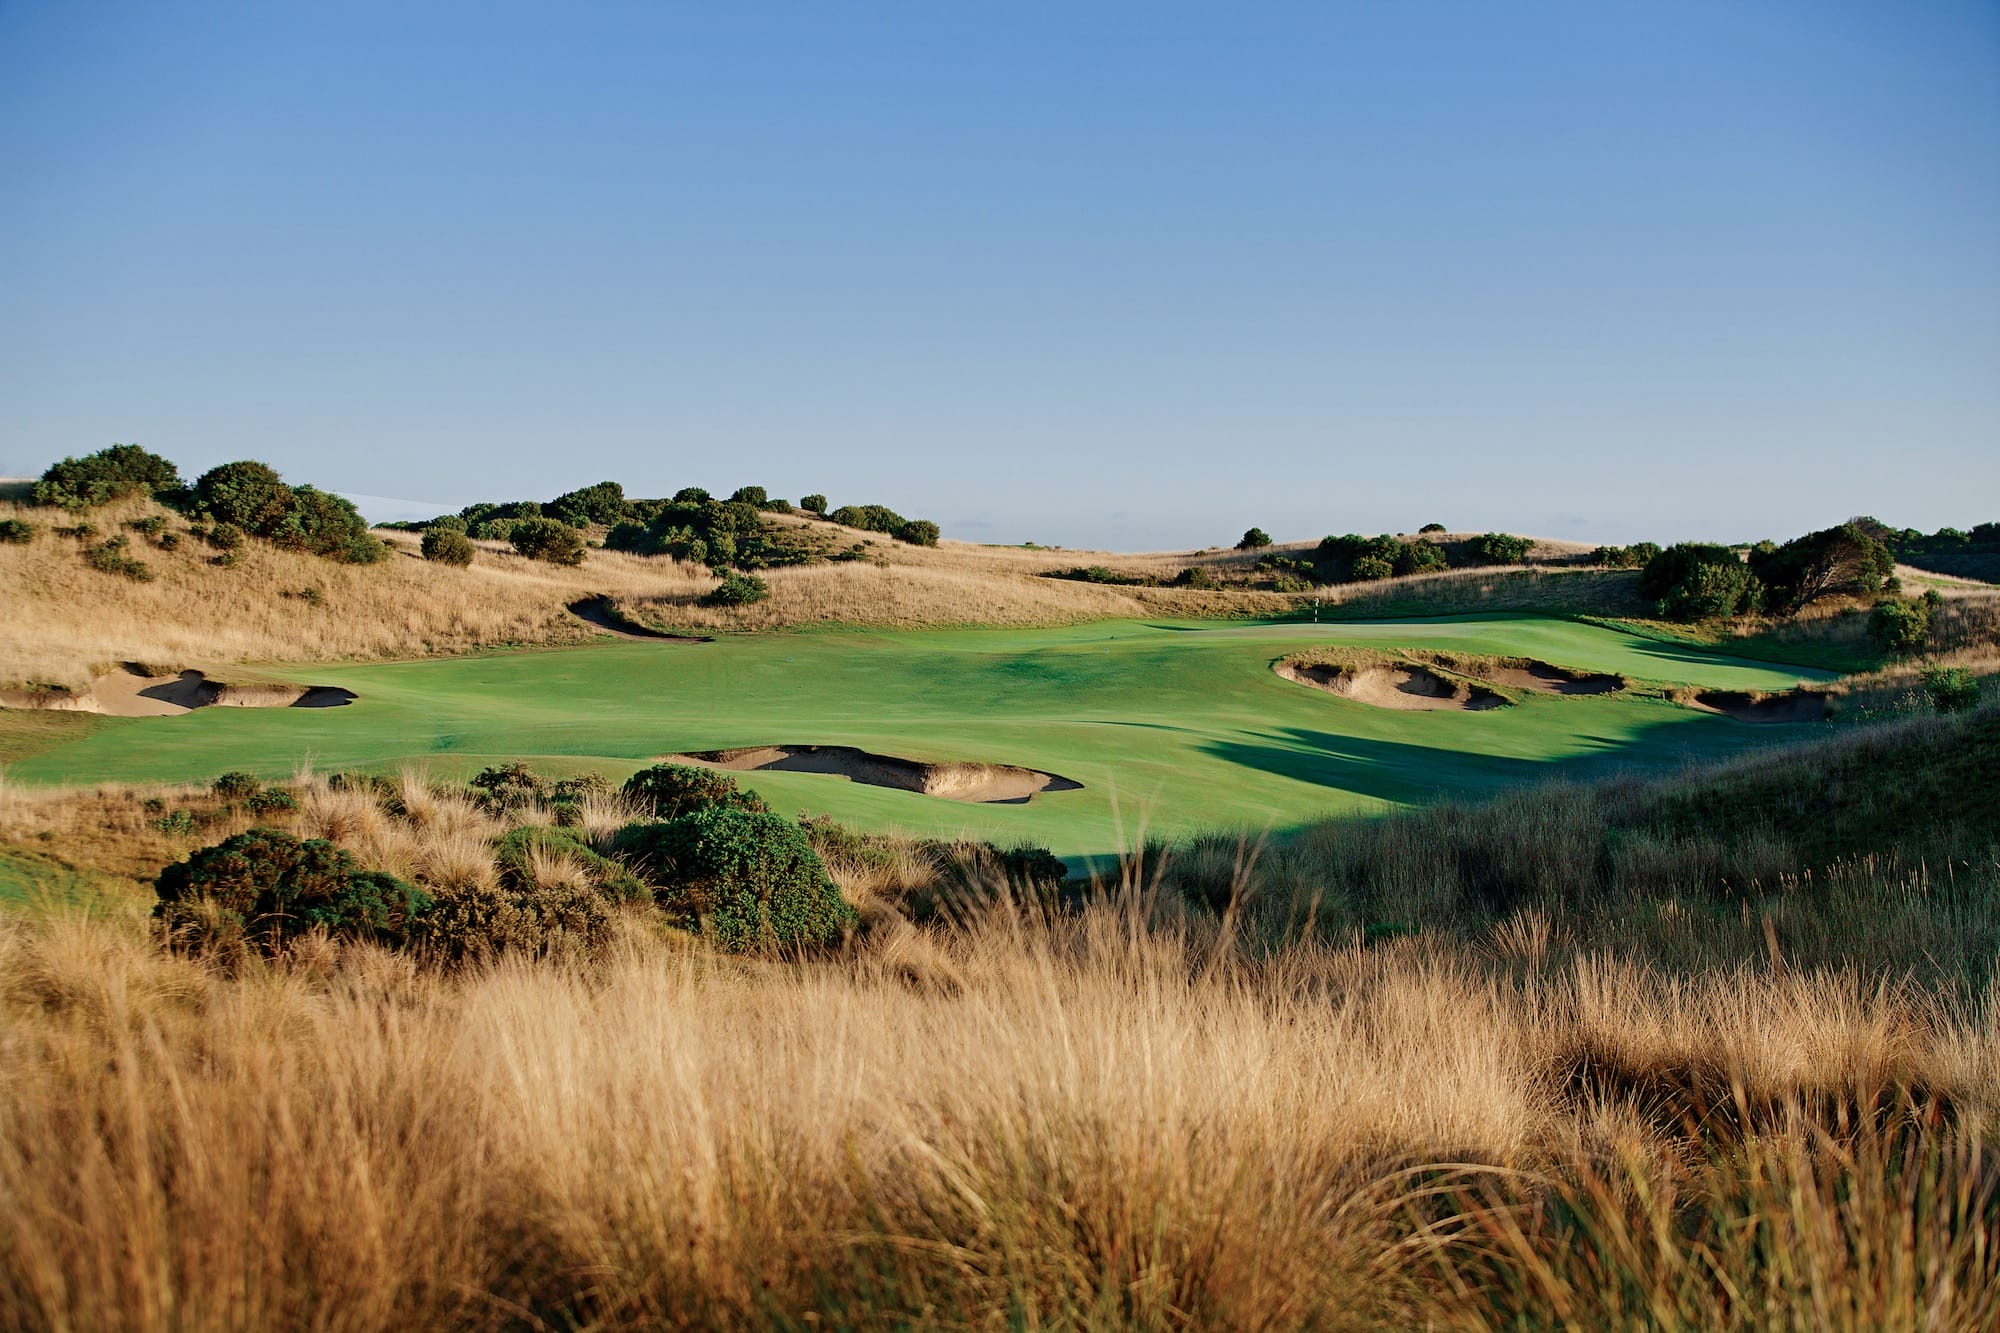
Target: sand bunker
{"x":139,"y":691}
{"x":599,"y":614}
{"x":1547,"y":678}
{"x":1791,"y":706}
{"x":999,"y":784}
{"x":1402,"y":685}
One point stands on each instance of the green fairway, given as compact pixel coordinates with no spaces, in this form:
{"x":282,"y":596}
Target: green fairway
{"x":1169,"y":727}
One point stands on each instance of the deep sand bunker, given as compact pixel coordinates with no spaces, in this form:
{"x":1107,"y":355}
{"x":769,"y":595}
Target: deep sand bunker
{"x":1400,"y":685}
{"x":996,"y":784}
{"x":1547,"y":678}
{"x":1790,"y":706}
{"x":138,"y":691}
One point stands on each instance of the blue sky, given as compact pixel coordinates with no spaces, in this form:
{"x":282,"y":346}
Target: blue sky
{"x":1129,"y":275}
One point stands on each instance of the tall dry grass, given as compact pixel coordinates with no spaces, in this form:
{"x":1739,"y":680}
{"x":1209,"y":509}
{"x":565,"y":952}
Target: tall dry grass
{"x":1112,"y":1119}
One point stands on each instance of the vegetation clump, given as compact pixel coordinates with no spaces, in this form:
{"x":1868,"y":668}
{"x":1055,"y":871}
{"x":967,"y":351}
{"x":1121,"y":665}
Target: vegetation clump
{"x":264,"y":887}
{"x":250,"y":497}
{"x":1903,"y":628}
{"x":16,"y":530}
{"x":668,"y":791}
{"x":547,"y":539}
{"x":1840,"y":560}
{"x":112,"y":557}
{"x":1952,"y":689}
{"x":737,"y":590}
{"x":1700,"y":581}
{"x":1253,"y":539}
{"x":744,"y":879}
{"x":1500,"y":548}
{"x":447,"y":546}
{"x":109,"y":474}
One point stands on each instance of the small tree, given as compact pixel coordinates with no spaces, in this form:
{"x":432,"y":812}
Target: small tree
{"x":546,"y":539}
{"x":1500,"y":548}
{"x":814,"y":504}
{"x":918,"y":532}
{"x":1902,"y":628}
{"x":249,"y":494}
{"x":1254,"y":539}
{"x":447,"y":546}
{"x":1429,"y":528}
{"x":1700,"y":581}
{"x":107,"y":475}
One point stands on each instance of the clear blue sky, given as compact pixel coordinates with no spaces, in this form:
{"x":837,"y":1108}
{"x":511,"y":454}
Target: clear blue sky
{"x":1135,"y":275}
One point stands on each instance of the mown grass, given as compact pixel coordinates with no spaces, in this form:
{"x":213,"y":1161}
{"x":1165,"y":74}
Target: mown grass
{"x":1171,"y":726}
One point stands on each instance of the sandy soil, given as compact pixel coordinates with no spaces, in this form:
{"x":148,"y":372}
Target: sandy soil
{"x":1403,"y":686}
{"x":985,"y":783}
{"x":136,"y":691}
{"x":1550,"y":679}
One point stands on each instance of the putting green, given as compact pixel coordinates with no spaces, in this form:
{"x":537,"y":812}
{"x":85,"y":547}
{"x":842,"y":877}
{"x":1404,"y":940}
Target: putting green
{"x":1168,"y":726}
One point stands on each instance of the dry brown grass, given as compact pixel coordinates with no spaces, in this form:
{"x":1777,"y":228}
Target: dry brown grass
{"x":1107,"y":1120}
{"x":64,"y":621}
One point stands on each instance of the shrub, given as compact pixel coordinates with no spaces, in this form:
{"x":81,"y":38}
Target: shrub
{"x":813,"y":504}
{"x":16,"y":530}
{"x":1289,"y":583}
{"x":1952,"y":689}
{"x":632,"y":538}
{"x":918,"y":532}
{"x":264,"y":886}
{"x":1254,"y":539}
{"x":1902,"y":628}
{"x":1371,"y":567}
{"x":248,"y":494}
{"x":504,"y":787}
{"x":324,"y":524}
{"x":603,"y":503}
{"x":742,"y":878}
{"x":1500,"y":548}
{"x":447,"y":546}
{"x":1420,"y":558}
{"x":235,"y":785}
{"x":270,"y":801}
{"x":1699,"y":581}
{"x":107,"y":475}
{"x":112,"y":559}
{"x":1429,"y":528}
{"x":225,"y":537}
{"x":1198,"y":577}
{"x":737,"y":590}
{"x":150,"y":526}
{"x":546,"y":539}
{"x":751,"y":495}
{"x":672,"y":790}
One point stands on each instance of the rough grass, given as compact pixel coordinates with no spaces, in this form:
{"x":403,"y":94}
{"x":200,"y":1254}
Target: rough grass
{"x":1686,"y":1109}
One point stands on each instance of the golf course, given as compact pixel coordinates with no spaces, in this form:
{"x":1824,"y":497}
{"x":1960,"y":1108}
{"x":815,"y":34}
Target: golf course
{"x":1167,"y":727}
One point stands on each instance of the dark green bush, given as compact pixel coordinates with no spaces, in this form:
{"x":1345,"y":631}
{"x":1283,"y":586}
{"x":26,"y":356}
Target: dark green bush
{"x":16,"y":530}
{"x":751,"y":495}
{"x":1420,"y":558}
{"x":1198,"y":577}
{"x":504,"y":787}
{"x":672,"y":790}
{"x":111,"y":558}
{"x":813,"y":504}
{"x":447,"y":546}
{"x":107,"y":475}
{"x":744,"y":879}
{"x":1429,"y":528}
{"x":225,"y":537}
{"x":1952,"y":689}
{"x":265,"y":886}
{"x":235,"y":785}
{"x":1902,"y":628}
{"x":1253,"y":540}
{"x":737,"y":590}
{"x":1371,"y":567}
{"x":324,"y":524}
{"x":248,"y":494}
{"x":1699,"y":581}
{"x":871,"y":518}
{"x":270,"y":801}
{"x":602,"y":503}
{"x":546,"y":539}
{"x":632,"y":538}
{"x":918,"y":532}
{"x":1500,"y":548}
